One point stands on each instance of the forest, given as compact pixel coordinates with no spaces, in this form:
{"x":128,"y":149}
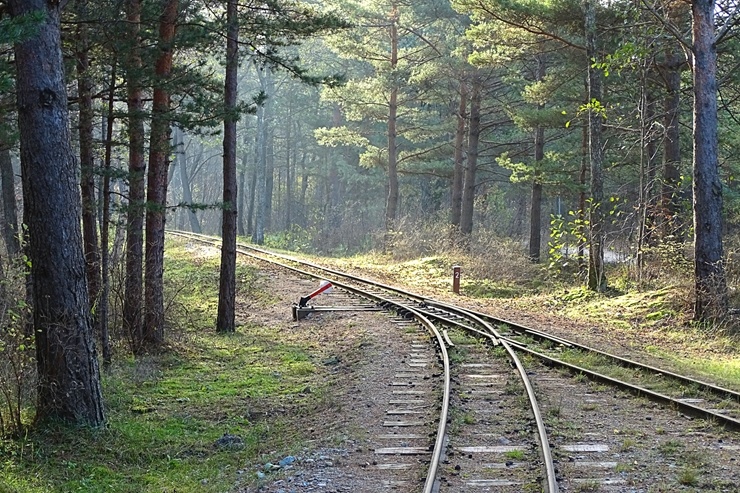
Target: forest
{"x":579,"y":135}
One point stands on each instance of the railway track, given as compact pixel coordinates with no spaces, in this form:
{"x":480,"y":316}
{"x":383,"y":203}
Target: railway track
{"x":476,"y":355}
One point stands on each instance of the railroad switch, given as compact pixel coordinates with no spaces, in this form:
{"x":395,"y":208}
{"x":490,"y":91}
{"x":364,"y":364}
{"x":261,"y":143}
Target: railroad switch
{"x":302,"y":309}
{"x":301,"y":312}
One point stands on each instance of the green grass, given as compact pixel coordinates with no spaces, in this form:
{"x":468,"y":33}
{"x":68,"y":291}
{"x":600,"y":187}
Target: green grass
{"x":670,"y":448}
{"x":515,"y":454}
{"x":166,"y":411}
{"x":163,"y":427}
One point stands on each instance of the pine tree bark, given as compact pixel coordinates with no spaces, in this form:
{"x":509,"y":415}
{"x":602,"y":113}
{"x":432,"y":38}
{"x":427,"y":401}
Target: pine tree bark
{"x":227,"y":280}
{"x":133,"y":297}
{"x":391,"y":206}
{"x":709,"y":268}
{"x":289,"y":148}
{"x":10,"y":209}
{"x":262,"y":196}
{"x":671,"y":144}
{"x":159,"y":150}
{"x":187,"y":194}
{"x":647,"y":199}
{"x":596,"y":275}
{"x":253,"y":179}
{"x":269,"y":162}
{"x":242,"y":190}
{"x":87,"y":163}
{"x":582,"y":201}
{"x":535,"y":211}
{"x":468,"y":198}
{"x":458,"y":169}
{"x":105,"y":224}
{"x":68,"y":374}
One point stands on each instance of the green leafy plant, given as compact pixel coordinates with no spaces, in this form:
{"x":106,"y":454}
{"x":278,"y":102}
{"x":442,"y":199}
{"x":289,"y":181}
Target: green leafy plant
{"x":566,"y":235}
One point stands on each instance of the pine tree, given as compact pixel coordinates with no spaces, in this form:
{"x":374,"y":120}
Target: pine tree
{"x":68,"y":375}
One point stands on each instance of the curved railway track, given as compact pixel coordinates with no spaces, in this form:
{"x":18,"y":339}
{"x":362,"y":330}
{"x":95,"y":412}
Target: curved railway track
{"x":476,"y":379}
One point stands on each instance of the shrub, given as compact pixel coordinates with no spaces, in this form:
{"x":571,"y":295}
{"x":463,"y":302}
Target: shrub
{"x":17,"y":368}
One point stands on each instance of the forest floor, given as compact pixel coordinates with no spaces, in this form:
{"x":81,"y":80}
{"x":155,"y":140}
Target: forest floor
{"x":289,"y":407}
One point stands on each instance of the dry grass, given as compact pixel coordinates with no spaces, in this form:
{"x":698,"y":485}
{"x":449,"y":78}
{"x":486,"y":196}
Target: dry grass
{"x":484,"y":255}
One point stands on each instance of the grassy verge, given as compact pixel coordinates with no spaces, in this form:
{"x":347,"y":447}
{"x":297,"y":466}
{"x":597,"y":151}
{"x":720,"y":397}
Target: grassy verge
{"x":195,"y":418}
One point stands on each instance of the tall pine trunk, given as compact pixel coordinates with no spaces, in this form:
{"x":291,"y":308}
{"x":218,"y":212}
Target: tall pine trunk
{"x":671,"y":144}
{"x":391,"y":206}
{"x":105,"y":222}
{"x":709,"y":269}
{"x":596,"y":274}
{"x":187,"y":194}
{"x":646,"y":233}
{"x":289,"y":146}
{"x":471,"y":168}
{"x":242,"y":189}
{"x":68,"y":374}
{"x":159,"y":151}
{"x":133,"y":297}
{"x":10,"y":210}
{"x":582,"y":227}
{"x":535,"y":211}
{"x":458,"y":169}
{"x":87,"y":164}
{"x":263,"y":171}
{"x":227,"y":280}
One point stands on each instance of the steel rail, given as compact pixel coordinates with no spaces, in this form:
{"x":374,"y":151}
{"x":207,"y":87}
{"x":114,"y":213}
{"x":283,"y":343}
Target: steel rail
{"x":685,"y":407}
{"x":545,"y":452}
{"x":439,"y":446}
{"x":439,"y":443}
{"x":624,"y":362}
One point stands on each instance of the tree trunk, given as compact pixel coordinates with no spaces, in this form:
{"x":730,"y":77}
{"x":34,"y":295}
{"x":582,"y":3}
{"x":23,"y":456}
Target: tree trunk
{"x":304,"y":189}
{"x":105,"y":228}
{"x":535,"y":212}
{"x":646,"y":235}
{"x":289,"y":145}
{"x":251,"y":204}
{"x":260,"y":191}
{"x":87,"y":164}
{"x":269,"y":169}
{"x":187,"y":194}
{"x":709,"y":269}
{"x":159,"y":150}
{"x":333,"y":217}
{"x":242,"y":190}
{"x":582,"y":200}
{"x":468,"y":198}
{"x":227,"y":280}
{"x":391,"y":207}
{"x":596,"y":275}
{"x":458,"y":169}
{"x":10,"y":211}
{"x":671,"y":145}
{"x":133,"y":298}
{"x":68,"y":375}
